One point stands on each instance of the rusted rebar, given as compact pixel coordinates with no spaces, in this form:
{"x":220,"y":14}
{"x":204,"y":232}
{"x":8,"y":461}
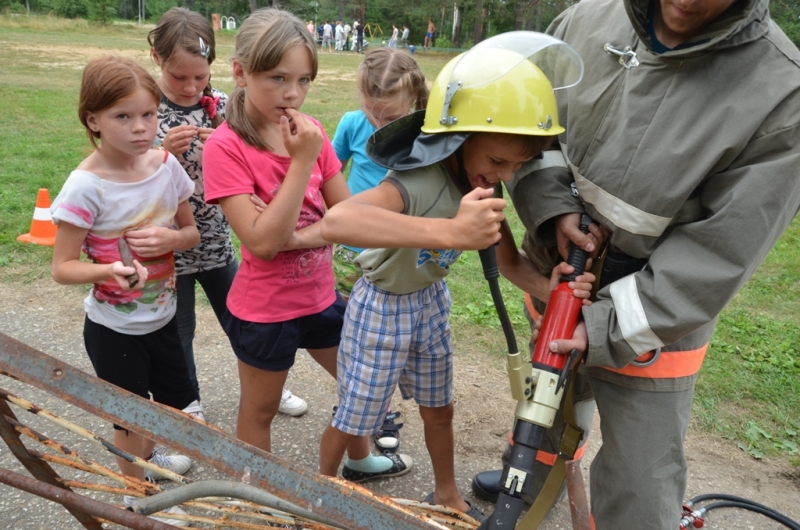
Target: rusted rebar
{"x":88,"y":435}
{"x":84,"y":504}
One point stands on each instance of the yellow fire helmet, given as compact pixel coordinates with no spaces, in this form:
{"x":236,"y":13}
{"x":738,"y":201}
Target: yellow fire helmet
{"x":504,"y":84}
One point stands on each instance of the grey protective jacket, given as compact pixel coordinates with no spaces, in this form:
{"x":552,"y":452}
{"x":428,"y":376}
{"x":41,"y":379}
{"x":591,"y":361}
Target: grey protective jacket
{"x":691,"y":159}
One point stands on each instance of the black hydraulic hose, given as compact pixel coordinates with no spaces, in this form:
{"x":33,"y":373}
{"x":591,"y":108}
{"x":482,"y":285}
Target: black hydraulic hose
{"x":490,"y":272}
{"x":753,"y":507}
{"x":733,"y":501}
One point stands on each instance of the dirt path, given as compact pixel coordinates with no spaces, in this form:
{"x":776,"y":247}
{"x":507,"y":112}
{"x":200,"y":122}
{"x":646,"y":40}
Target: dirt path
{"x":49,"y":317}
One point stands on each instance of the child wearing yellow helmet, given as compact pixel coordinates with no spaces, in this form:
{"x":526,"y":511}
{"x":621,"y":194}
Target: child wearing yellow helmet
{"x":490,"y":111}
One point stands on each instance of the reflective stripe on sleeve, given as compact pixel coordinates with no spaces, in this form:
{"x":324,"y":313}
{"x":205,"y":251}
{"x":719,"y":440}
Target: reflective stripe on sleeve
{"x":549,"y":159}
{"x":631,"y":317}
{"x":622,"y":214}
{"x":670,"y":364}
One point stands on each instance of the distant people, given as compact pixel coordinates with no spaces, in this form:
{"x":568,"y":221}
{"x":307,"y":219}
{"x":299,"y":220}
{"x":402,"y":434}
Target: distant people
{"x":327,"y":36}
{"x":359,"y":35}
{"x":319,"y":34}
{"x":393,"y":38}
{"x":404,"y":37}
{"x":310,"y":27}
{"x":339,"y":36}
{"x":347,"y":31}
{"x":428,"y":41}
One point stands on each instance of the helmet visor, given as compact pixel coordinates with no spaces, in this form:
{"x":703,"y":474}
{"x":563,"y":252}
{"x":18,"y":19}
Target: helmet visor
{"x":557,"y":60}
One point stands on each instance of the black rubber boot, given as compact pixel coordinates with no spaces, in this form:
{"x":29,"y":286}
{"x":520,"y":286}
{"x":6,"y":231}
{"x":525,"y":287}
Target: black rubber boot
{"x":486,"y":485}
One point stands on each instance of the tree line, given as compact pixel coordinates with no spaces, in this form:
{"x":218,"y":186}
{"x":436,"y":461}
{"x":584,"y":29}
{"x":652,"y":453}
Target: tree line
{"x":459,"y":23}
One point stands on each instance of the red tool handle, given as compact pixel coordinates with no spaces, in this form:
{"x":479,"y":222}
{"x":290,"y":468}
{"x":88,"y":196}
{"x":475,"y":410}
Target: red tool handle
{"x":563,"y":310}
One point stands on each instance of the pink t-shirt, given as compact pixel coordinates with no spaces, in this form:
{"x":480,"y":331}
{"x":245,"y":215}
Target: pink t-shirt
{"x":295,"y":283}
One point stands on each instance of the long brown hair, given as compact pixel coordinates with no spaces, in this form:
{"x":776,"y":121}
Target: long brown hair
{"x":182,"y":29}
{"x":387,"y":74}
{"x":261,"y":43}
{"x":107,"y":80}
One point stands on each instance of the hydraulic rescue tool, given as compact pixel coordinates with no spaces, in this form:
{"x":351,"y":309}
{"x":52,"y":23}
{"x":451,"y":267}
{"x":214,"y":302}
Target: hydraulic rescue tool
{"x":538,"y":386}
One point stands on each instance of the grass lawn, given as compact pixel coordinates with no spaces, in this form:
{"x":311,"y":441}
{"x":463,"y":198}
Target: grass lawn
{"x":749,"y":388}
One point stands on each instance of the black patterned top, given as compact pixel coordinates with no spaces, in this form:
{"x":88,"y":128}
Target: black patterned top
{"x":215,"y":248}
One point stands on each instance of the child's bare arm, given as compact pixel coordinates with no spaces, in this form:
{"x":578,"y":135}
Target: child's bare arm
{"x":373,"y":219}
{"x":68,"y":269}
{"x":334,"y":191}
{"x":152,"y":241}
{"x":519,"y":270}
{"x":266,"y":233}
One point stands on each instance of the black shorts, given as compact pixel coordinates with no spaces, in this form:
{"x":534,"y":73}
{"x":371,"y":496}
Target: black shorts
{"x":272,"y":346}
{"x":152,"y":363}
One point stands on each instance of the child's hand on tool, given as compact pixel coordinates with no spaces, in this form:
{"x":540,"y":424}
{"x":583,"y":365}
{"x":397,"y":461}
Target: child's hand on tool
{"x":581,"y":286}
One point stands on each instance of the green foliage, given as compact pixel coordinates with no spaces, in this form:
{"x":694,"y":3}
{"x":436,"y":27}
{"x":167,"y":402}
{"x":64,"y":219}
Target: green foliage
{"x":101,"y":11}
{"x":785,"y":13}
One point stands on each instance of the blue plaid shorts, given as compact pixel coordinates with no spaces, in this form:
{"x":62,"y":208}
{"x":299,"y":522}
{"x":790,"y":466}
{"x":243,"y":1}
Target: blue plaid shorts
{"x":390,"y":339}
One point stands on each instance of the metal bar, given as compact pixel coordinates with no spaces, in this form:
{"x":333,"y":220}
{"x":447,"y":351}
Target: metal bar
{"x":72,"y":459}
{"x":347,"y":505}
{"x":36,"y":467}
{"x":69,"y":499}
{"x":80,"y":431}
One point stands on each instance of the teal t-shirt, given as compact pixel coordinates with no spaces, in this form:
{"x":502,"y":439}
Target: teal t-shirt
{"x":350,"y":143}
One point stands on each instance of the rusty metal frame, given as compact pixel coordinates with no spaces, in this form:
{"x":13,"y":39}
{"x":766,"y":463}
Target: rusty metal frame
{"x":349,"y":506}
{"x":76,"y":503}
{"x":40,"y":469}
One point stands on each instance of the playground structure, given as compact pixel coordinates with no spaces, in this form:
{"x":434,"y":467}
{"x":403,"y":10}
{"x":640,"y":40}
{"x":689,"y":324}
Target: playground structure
{"x":371,"y":30}
{"x":228,"y":23}
{"x":266,"y":491}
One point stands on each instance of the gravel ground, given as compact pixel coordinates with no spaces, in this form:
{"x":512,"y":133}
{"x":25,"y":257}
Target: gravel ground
{"x":49,"y":317}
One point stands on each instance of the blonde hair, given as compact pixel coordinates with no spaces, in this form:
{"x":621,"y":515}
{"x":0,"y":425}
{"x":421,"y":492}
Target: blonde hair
{"x":107,"y":80}
{"x":261,"y":43}
{"x":180,"y":28}
{"x":387,"y":74}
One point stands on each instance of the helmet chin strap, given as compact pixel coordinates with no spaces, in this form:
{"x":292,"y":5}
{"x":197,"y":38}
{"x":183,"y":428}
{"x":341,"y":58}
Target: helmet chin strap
{"x":460,"y":179}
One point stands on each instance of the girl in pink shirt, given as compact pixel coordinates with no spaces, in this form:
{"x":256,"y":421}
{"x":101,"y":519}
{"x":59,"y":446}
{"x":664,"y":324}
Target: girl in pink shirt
{"x":283,"y":296}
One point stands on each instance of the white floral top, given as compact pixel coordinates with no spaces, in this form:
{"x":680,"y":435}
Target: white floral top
{"x":109,"y":209}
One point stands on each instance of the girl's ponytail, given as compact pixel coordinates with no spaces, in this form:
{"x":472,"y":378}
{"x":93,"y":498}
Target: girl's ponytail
{"x":240,"y":122}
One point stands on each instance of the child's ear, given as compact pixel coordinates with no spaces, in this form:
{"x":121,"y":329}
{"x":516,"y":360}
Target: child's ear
{"x":91,"y":122}
{"x":238,"y":74}
{"x":155,"y":56}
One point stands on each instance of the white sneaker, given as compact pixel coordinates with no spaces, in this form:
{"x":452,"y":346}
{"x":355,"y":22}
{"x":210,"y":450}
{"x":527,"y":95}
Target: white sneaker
{"x":292,"y":405}
{"x":179,"y":464}
{"x":128,"y":500}
{"x":195,"y":409}
{"x":174,"y":522}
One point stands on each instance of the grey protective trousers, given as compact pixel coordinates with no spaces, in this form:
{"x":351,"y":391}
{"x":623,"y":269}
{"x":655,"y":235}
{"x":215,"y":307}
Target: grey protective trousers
{"x":638,"y":477}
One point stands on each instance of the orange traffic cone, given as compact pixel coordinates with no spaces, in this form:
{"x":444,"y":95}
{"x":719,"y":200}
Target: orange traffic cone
{"x":43,"y":231}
